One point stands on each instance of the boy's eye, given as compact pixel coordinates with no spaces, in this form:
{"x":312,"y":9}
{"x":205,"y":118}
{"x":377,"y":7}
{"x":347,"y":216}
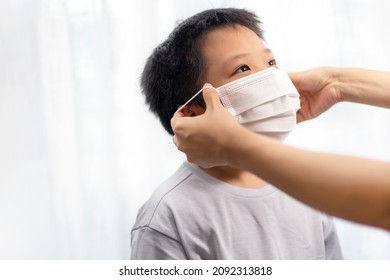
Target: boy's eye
{"x":242,"y":68}
{"x":272,"y":62}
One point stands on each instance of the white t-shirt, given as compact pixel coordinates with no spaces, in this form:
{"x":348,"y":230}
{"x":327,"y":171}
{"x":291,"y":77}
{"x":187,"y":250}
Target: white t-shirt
{"x":193,"y":215}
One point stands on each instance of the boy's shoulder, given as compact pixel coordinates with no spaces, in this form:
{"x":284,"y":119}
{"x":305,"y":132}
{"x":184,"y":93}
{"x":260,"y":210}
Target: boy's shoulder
{"x":167,"y":195}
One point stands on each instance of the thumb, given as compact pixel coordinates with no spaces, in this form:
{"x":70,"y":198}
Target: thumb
{"x":176,"y":117}
{"x":295,"y":78}
{"x":211,"y":96}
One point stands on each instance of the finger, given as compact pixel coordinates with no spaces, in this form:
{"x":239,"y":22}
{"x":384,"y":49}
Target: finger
{"x":211,"y":96}
{"x":292,"y":75}
{"x":295,"y":78}
{"x":176,"y":116}
{"x":299,"y":117}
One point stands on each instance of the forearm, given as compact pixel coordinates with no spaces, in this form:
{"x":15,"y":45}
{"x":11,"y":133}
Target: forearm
{"x":347,"y":187}
{"x":364,"y":86}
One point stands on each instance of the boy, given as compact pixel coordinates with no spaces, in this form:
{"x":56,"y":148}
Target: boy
{"x":220,"y":212}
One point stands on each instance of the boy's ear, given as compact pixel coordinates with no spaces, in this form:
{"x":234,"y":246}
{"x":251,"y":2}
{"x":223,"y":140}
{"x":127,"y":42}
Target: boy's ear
{"x":192,"y":110}
{"x":187,"y":112}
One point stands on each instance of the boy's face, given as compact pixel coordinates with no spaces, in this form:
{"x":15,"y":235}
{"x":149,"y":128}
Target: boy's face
{"x":232,"y":53}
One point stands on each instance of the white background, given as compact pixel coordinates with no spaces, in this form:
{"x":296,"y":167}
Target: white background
{"x":79,"y":151}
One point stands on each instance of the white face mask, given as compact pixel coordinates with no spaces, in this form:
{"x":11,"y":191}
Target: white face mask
{"x":265,"y":102}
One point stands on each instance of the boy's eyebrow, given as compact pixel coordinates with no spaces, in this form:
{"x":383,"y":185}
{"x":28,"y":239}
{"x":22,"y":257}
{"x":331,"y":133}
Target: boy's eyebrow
{"x":229,"y":60}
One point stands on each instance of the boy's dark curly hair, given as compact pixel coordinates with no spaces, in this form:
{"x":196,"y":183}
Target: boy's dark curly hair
{"x":173,"y":73}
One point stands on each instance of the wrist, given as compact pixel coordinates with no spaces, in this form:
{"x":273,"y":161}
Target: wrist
{"x":337,"y":83}
{"x":239,"y":146}
{"x":234,"y":143}
{"x":354,"y":84}
{"x":341,"y":83}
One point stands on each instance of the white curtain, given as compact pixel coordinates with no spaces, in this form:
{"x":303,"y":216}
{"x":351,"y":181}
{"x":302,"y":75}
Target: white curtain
{"x":80,"y":152}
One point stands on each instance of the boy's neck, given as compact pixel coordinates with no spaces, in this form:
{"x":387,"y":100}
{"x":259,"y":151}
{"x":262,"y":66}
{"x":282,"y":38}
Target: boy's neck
{"x":236,"y":177}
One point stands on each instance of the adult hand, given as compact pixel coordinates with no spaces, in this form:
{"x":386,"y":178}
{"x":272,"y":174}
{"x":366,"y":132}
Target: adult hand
{"x":318,"y":89}
{"x":202,"y":138}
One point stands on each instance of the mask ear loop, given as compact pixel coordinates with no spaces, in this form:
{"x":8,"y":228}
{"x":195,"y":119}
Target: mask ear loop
{"x":192,"y":98}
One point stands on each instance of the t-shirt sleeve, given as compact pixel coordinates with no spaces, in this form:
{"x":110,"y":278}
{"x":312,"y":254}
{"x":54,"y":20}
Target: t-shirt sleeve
{"x":332,"y":244}
{"x":149,"y":244}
